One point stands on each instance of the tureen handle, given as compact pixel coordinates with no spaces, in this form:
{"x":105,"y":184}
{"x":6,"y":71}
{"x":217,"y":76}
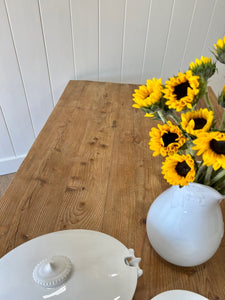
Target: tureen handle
{"x":134,"y":262}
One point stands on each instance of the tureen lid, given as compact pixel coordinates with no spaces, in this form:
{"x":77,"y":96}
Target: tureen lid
{"x":70,"y":264}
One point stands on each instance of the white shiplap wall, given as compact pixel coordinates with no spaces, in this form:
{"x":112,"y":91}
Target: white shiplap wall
{"x":46,"y":43}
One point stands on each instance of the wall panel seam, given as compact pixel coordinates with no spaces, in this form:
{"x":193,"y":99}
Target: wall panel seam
{"x":73,"y":43}
{"x":167,"y":40}
{"x":19,"y":68}
{"x":146,"y":39}
{"x":188,"y":36}
{"x":14,"y":151}
{"x":123,"y":41}
{"x":99,"y":36}
{"x":46,"y":53}
{"x":210,"y":22}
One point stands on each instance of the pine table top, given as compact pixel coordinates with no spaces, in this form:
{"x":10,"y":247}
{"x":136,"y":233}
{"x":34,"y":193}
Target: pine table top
{"x":91,"y":168}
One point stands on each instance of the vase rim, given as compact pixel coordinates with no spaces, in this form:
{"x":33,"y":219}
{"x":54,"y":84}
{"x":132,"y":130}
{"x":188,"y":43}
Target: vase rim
{"x":204,"y":185}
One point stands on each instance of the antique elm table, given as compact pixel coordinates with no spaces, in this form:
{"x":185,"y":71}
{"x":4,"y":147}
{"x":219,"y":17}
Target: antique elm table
{"x":91,"y":168}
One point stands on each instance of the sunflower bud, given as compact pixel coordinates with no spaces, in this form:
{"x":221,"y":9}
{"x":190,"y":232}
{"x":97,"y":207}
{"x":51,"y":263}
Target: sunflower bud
{"x":203,"y":67}
{"x":221,"y":98}
{"x":220,"y":50}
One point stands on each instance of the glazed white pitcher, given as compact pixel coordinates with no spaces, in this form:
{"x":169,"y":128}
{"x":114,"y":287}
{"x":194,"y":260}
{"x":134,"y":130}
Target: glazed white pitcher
{"x":185,"y":225}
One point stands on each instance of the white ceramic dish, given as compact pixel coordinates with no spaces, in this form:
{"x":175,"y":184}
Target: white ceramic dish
{"x":69,"y":265}
{"x":179,"y":295}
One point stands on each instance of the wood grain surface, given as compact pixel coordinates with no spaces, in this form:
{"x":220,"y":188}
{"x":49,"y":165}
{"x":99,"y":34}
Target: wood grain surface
{"x":91,"y":168}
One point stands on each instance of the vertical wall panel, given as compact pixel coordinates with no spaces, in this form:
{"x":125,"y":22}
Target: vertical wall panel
{"x":217,"y":27}
{"x":216,"y":31}
{"x":6,"y":147}
{"x":58,"y":38}
{"x":111,"y":30}
{"x":12,"y":97}
{"x":160,"y":15}
{"x":181,"y":20}
{"x":27,"y":33}
{"x":198,"y":31}
{"x":136,"y":22}
{"x":85,"y":34}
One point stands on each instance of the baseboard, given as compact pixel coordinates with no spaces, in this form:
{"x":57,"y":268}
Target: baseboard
{"x":10,"y":165}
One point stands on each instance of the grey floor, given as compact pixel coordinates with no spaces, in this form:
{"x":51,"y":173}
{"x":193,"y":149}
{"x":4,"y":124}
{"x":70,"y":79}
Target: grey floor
{"x":5,"y":181}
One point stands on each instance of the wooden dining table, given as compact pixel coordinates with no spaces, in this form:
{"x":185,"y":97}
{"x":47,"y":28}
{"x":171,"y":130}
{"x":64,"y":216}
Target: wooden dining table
{"x":91,"y":168}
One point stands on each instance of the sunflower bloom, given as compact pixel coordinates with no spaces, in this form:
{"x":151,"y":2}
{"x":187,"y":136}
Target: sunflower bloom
{"x":166,"y":139}
{"x":211,"y":145}
{"x":194,"y":122}
{"x":148,"y":94}
{"x":220,"y":50}
{"x":181,"y":91}
{"x":203,"y":67}
{"x":179,"y":169}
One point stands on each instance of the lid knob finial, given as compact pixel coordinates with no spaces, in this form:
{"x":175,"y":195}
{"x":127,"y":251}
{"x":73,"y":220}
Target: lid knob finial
{"x":52,"y":272}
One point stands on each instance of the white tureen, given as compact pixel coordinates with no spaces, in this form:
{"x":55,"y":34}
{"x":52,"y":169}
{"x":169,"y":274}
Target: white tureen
{"x":70,"y":265}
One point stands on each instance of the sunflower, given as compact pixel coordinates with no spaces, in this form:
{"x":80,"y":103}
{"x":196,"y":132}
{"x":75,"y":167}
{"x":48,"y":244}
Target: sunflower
{"x":181,"y":90}
{"x":203,"y":67}
{"x":148,"y":94}
{"x":179,"y":169}
{"x":166,"y":139}
{"x":220,"y":50}
{"x":194,"y":122}
{"x":212,"y":147}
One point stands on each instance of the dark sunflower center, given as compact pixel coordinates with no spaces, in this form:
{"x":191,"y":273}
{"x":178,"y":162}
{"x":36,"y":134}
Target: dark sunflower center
{"x":181,"y":90}
{"x":199,"y":123}
{"x":217,"y":146}
{"x":169,"y":138}
{"x":182,"y":168}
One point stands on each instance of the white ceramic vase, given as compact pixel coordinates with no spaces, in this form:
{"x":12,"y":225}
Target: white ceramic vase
{"x":185,"y":225}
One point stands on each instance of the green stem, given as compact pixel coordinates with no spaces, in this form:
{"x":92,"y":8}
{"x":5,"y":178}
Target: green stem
{"x":208,"y":102}
{"x":222,"y":125}
{"x":220,"y":187}
{"x":162,"y":117}
{"x":199,"y":171}
{"x":219,"y":184}
{"x":190,"y":151}
{"x":175,"y":118}
{"x":218,"y":176}
{"x":222,"y":191}
{"x":208,"y":175}
{"x":200,"y":178}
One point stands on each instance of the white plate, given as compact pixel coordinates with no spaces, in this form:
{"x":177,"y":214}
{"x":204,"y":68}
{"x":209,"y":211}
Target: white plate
{"x":179,"y":295}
